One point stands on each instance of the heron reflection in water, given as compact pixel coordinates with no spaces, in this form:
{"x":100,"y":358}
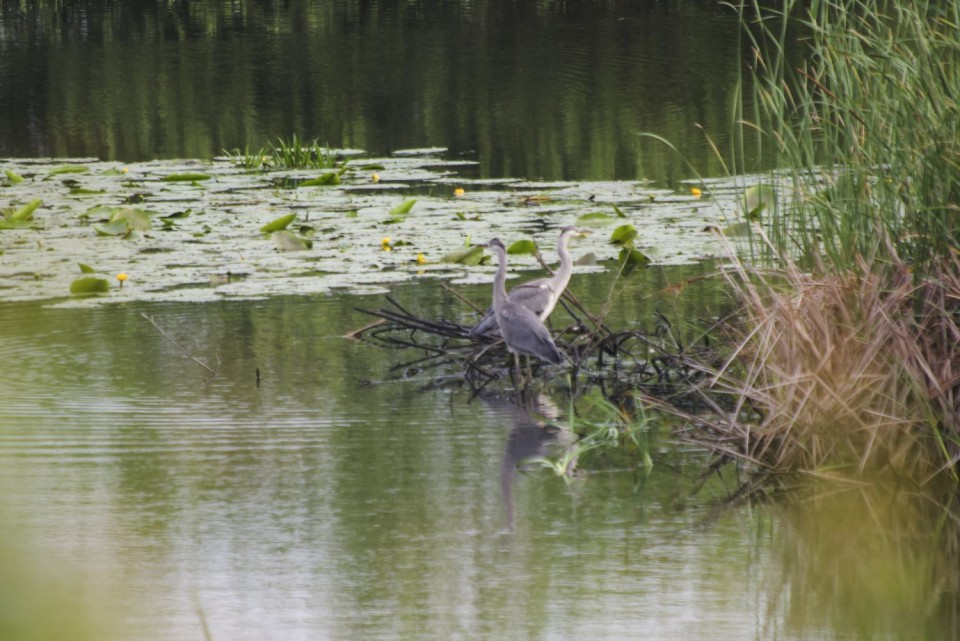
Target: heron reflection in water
{"x":533,"y":433}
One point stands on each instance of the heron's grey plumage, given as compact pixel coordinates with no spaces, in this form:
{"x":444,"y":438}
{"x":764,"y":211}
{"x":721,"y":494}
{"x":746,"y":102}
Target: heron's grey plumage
{"x":539,"y":296}
{"x":522,"y":331}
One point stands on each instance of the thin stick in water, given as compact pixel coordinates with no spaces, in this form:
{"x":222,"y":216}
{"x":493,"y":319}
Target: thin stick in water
{"x":175,"y":344}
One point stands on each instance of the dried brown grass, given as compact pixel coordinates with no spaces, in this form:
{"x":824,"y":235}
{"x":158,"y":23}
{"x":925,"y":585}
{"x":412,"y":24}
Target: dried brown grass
{"x":857,"y":370}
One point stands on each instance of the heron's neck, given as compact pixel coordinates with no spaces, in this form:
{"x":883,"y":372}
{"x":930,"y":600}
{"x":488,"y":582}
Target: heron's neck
{"x":500,"y":280}
{"x":562,"y":277}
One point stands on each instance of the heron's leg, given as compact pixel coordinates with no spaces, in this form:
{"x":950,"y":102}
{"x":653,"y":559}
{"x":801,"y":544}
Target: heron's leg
{"x":516,"y":362}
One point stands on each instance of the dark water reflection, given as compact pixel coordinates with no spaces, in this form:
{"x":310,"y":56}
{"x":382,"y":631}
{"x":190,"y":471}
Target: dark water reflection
{"x":320,"y":506}
{"x":530,"y":89}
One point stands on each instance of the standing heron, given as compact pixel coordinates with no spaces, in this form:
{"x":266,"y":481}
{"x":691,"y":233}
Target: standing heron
{"x":540,"y":296}
{"x":522,"y":330}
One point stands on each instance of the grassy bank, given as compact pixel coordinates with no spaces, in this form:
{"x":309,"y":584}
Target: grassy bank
{"x":847,"y":350}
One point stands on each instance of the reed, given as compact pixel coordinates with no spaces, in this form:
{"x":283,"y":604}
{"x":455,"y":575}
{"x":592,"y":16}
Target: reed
{"x":846,"y":351}
{"x":838,"y":371}
{"x":866,"y":125}
{"x":294,"y":153}
{"x":301,"y":154}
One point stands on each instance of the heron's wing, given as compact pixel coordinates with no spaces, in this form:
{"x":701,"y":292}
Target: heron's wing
{"x":487,"y":325}
{"x":535,"y":295}
{"x":525,"y":333}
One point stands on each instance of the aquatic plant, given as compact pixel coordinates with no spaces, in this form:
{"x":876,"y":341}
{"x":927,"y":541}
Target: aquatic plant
{"x":604,"y":432}
{"x":846,"y":350}
{"x":294,"y":153}
{"x":865,"y":126}
{"x":299,"y":154}
{"x":838,"y":371}
{"x":247,"y":159}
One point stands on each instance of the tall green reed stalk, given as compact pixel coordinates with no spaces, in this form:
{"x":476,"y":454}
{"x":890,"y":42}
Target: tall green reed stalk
{"x":866,"y":125}
{"x":846,"y":354}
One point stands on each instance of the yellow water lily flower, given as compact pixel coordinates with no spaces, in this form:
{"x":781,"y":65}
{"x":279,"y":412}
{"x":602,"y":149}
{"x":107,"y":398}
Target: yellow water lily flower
{"x":375,"y":178}
{"x":696,"y":192}
{"x":385,"y":244}
{"x":421,"y":259}
{"x":459,"y":192}
{"x":122,"y":277}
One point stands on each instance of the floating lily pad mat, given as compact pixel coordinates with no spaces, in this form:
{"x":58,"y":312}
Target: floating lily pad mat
{"x":204,"y":230}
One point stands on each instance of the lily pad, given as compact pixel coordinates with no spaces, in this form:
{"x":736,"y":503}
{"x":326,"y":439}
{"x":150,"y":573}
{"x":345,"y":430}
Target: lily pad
{"x":632,"y":258}
{"x":113,"y":228}
{"x":737,"y":229}
{"x":188,"y":178}
{"x":280,"y":223}
{"x":465,"y":256}
{"x":224,"y":226}
{"x":758,"y":198}
{"x":86,"y":269}
{"x":89,"y":285}
{"x":25,"y":212}
{"x":525,"y":246}
{"x":69,"y":169}
{"x":623,"y":235}
{"x":134,"y":218}
{"x":329,"y":178}
{"x":594,"y":219}
{"x":13,"y":177}
{"x":287,"y":241}
{"x":403,"y":208}
{"x":16,"y":224}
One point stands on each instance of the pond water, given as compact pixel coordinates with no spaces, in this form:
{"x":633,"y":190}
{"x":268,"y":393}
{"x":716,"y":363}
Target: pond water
{"x":308,"y":490}
{"x":143,"y":498}
{"x":539,"y":90}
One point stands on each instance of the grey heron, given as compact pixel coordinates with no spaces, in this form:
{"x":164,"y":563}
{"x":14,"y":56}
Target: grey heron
{"x":540,"y":296}
{"x":522,"y":330}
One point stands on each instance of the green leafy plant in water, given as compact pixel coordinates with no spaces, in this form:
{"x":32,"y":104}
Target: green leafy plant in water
{"x":19,"y":217}
{"x":469,"y":254}
{"x":259,"y":159}
{"x":594,"y":218}
{"x":26,"y":211}
{"x":69,"y":169}
{"x":278,"y":224}
{"x":122,"y":221}
{"x":89,"y":285}
{"x":298,"y":154}
{"x":630,"y":257}
{"x":525,"y":246}
{"x":285,"y":154}
{"x":188,"y":178}
{"x":401,"y":210}
{"x":287,"y":241}
{"x":323,"y":180}
{"x":605,"y":430}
